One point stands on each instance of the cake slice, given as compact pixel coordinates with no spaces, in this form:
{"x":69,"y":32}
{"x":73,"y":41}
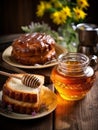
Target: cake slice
{"x":23,"y":99}
{"x":20,"y":106}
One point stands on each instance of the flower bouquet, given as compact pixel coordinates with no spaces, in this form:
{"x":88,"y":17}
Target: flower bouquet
{"x":65,"y":14}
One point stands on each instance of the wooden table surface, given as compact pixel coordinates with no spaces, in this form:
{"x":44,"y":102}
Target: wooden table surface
{"x":68,"y":115}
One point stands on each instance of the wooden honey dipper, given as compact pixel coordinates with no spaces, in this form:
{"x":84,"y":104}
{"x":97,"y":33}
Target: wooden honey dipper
{"x":29,"y":80}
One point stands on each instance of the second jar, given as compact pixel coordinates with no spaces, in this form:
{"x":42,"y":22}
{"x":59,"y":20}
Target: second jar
{"x":73,"y":77}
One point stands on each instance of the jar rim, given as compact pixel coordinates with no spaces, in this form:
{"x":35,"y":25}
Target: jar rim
{"x":85,"y":59}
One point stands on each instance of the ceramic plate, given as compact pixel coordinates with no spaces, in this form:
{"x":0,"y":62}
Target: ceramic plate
{"x":7,"y":58}
{"x":49,"y":99}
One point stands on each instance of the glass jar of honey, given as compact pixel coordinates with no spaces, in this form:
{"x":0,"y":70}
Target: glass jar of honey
{"x":73,"y":77}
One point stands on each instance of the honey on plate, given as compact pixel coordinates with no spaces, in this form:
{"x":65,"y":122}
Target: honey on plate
{"x":73,"y":77}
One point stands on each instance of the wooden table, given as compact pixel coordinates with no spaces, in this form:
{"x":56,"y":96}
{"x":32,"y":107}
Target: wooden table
{"x":79,"y":115}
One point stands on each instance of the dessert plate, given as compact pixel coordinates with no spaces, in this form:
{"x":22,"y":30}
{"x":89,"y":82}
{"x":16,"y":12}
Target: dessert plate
{"x":6,"y":56}
{"x":48,"y":98}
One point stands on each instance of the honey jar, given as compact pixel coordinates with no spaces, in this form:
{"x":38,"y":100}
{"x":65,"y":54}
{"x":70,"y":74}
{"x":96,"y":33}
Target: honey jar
{"x":73,"y":77}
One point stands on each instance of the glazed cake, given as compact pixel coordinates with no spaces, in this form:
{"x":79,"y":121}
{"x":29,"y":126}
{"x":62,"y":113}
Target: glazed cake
{"x":33,"y":48}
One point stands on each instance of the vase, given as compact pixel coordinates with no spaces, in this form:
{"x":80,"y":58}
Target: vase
{"x":69,"y":37}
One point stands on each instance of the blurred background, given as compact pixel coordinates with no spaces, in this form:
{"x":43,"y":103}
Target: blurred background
{"x":17,"y":13}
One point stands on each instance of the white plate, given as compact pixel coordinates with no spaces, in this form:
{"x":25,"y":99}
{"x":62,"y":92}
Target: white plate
{"x":6,"y":56}
{"x":49,"y":98}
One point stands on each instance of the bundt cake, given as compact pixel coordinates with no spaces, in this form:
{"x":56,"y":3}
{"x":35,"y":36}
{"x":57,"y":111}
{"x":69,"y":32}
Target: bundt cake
{"x":33,"y":48}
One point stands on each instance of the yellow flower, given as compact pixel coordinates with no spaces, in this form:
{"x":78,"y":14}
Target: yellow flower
{"x":47,"y":5}
{"x":82,"y":3}
{"x":79,"y":14}
{"x":66,"y":11}
{"x":42,"y":7}
{"x":58,"y":18}
{"x":56,"y":3}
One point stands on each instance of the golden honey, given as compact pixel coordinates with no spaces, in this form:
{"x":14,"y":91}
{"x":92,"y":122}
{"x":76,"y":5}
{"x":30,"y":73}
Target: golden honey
{"x":72,"y":77}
